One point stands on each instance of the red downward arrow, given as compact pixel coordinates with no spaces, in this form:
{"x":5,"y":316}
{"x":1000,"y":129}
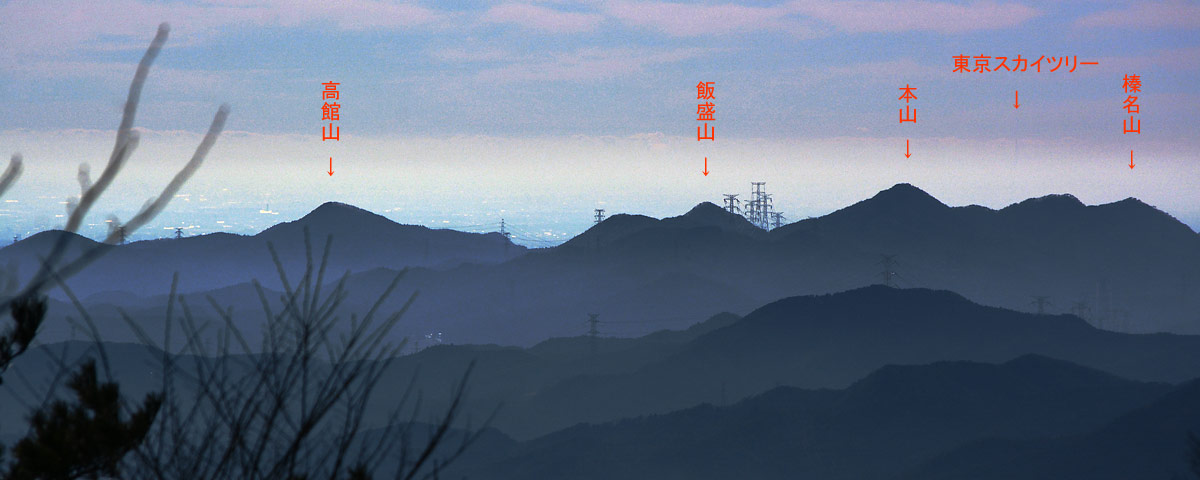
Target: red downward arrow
{"x":706,"y":166}
{"x":1016,"y":99}
{"x":906,"y":154}
{"x":1131,"y":159}
{"x":331,"y":166}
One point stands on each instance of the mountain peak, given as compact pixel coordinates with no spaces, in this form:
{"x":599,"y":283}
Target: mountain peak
{"x":45,"y":239}
{"x":1064,"y":199}
{"x":1147,"y":216}
{"x":332,"y":217}
{"x":907,"y":195}
{"x":706,"y":210}
{"x":337,"y":208}
{"x":1057,"y":202}
{"x":705,"y":214}
{"x":337,"y":213}
{"x":901,"y":202}
{"x":709,"y":214}
{"x":1132,"y":202}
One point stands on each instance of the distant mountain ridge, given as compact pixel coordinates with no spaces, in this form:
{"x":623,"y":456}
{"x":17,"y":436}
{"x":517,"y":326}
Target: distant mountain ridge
{"x":361,"y":241}
{"x":832,"y":341}
{"x":874,"y":382}
{"x":1148,"y":442}
{"x":889,"y":422}
{"x":704,"y":215}
{"x":1122,"y":266}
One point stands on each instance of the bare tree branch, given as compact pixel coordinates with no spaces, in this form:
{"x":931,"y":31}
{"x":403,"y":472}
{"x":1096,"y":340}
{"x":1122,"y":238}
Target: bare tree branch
{"x":126,"y":141}
{"x":11,"y":174}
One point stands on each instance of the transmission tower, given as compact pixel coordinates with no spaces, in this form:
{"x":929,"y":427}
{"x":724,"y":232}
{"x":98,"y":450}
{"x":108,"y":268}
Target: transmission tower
{"x":16,"y":238}
{"x":889,"y":270}
{"x":1081,"y":309}
{"x":777,"y":219}
{"x":504,"y":230}
{"x":599,"y":215}
{"x":731,"y":203}
{"x":593,"y":331}
{"x":507,"y":236}
{"x":178,"y":233}
{"x":760,"y":211}
{"x":758,"y":205}
{"x":121,"y":234}
{"x":766,"y":209}
{"x":751,"y":212}
{"x":1042,"y":302}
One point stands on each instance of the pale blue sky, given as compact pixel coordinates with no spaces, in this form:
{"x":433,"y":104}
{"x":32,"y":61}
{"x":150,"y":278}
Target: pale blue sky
{"x":572,"y":74}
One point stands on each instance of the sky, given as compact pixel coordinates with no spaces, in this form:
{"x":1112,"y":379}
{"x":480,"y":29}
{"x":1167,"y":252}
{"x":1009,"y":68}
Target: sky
{"x":539,"y":112}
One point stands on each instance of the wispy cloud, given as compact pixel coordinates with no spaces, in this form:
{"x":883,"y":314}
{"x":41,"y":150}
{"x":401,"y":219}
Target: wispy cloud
{"x":1171,"y":59}
{"x":801,"y":17}
{"x":542,"y":19}
{"x":887,"y":70}
{"x":476,"y":53}
{"x":350,"y":14}
{"x":587,"y":64}
{"x":38,"y":27}
{"x":1170,"y":14}
{"x":915,"y":15}
{"x":688,"y":20}
{"x":115,"y":75}
{"x":424,"y":67}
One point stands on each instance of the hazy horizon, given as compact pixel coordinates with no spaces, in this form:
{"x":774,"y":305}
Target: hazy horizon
{"x":547,"y":187}
{"x":540,"y":113}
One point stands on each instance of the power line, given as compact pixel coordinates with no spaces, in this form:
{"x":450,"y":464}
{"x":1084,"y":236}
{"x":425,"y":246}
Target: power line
{"x":479,"y":226}
{"x":543,"y":241}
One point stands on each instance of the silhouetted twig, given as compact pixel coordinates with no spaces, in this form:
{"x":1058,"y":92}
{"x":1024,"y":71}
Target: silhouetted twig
{"x":295,"y":407}
{"x":11,"y":174}
{"x":126,"y":142}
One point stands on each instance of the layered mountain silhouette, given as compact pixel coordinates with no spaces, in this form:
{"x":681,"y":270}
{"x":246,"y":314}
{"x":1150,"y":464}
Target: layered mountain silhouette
{"x":502,"y":374}
{"x":891,"y":421}
{"x":1148,"y":442}
{"x":362,"y":241}
{"x":831,"y":341}
{"x":774,"y":354}
{"x":1122,"y":266}
{"x":875,"y":382}
{"x":812,"y":342}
